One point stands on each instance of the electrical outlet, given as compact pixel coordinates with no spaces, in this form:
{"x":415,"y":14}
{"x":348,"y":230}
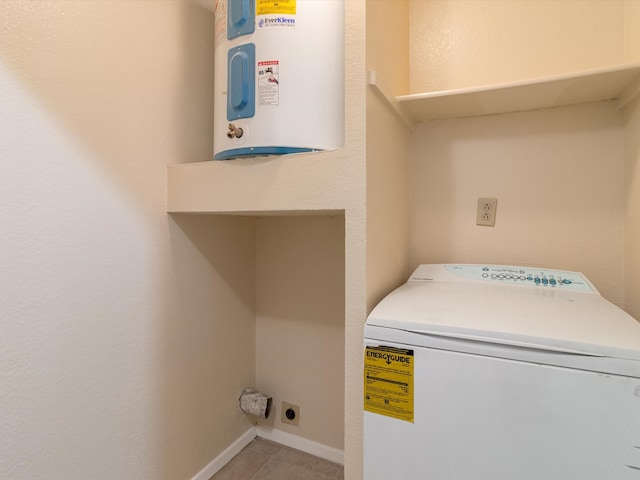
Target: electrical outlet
{"x":290,"y":413}
{"x":487,"y":208}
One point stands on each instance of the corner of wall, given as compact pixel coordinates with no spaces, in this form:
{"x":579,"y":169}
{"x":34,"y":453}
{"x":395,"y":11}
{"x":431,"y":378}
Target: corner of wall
{"x":632,"y":208}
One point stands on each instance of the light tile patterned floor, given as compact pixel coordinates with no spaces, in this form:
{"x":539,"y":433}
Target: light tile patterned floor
{"x":265,"y":460}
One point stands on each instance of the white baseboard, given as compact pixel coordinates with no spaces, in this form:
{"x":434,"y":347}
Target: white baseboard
{"x":231,"y":451}
{"x":277,"y":436}
{"x":303,"y":444}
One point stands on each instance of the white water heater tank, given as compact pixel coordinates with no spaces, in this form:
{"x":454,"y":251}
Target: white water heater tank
{"x":279,"y":77}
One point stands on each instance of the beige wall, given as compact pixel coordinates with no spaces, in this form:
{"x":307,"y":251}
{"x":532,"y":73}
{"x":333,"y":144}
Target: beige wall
{"x":118,"y":322}
{"x":558,"y":178}
{"x":387,"y":151}
{"x":457,"y":43}
{"x":355,"y":231}
{"x":388,"y":43}
{"x":632,"y":171}
{"x":387,"y":201}
{"x":300,"y":323}
{"x":208,"y":355}
{"x":632,"y":208}
{"x":632,"y":31}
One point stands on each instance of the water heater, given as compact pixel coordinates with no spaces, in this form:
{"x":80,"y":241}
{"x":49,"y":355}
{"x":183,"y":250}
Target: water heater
{"x":279,"y":77}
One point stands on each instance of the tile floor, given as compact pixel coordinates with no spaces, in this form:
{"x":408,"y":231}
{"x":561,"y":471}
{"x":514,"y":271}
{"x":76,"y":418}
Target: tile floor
{"x":265,"y":460}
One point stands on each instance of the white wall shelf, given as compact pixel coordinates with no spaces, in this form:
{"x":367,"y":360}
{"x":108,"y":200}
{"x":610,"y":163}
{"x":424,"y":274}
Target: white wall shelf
{"x":620,"y":82}
{"x":310,"y":184}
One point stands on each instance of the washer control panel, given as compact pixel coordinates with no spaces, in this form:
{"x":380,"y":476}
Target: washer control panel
{"x":527,"y":276}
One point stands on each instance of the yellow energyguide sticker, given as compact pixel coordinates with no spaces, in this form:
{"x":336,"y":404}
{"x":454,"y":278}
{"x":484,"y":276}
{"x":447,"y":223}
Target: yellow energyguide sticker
{"x":271,"y":7}
{"x":388,"y":382}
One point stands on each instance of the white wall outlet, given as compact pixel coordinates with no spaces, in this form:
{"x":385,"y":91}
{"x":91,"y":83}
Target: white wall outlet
{"x":487,"y":208}
{"x":290,"y":413}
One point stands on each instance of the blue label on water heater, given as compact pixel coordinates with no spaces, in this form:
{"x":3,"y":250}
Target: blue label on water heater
{"x":241,"y":82}
{"x":241,"y":18}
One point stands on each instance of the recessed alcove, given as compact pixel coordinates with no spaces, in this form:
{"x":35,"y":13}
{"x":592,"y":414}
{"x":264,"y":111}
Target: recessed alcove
{"x":281,"y":311}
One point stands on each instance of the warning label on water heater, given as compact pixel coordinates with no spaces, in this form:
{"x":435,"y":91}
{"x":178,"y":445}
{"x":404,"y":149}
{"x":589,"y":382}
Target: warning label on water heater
{"x":388,"y":382}
{"x":269,"y":82}
{"x":272,"y":7}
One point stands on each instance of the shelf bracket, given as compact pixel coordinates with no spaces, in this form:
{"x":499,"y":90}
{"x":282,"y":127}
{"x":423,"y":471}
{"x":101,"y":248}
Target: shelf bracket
{"x":374,"y":82}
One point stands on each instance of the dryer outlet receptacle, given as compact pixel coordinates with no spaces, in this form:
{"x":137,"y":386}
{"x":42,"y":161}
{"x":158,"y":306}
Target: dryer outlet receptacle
{"x":290,"y":413}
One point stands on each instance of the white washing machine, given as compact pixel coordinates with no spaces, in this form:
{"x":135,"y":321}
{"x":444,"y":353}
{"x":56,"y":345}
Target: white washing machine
{"x":487,"y":372}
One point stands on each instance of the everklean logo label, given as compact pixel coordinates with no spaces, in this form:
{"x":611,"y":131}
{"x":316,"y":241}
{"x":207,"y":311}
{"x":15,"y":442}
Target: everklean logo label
{"x":279,"y":21}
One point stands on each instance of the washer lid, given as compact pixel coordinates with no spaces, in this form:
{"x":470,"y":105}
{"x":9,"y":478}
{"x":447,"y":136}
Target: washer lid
{"x":459,"y":301}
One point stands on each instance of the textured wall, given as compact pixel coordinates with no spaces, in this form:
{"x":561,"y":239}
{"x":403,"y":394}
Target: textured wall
{"x":388,"y":141}
{"x":632,"y":31}
{"x":117,"y":322}
{"x":388,"y":43}
{"x":457,"y":43}
{"x":632,"y":172}
{"x":632,"y":208}
{"x":557,"y":174}
{"x":300,"y":322}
